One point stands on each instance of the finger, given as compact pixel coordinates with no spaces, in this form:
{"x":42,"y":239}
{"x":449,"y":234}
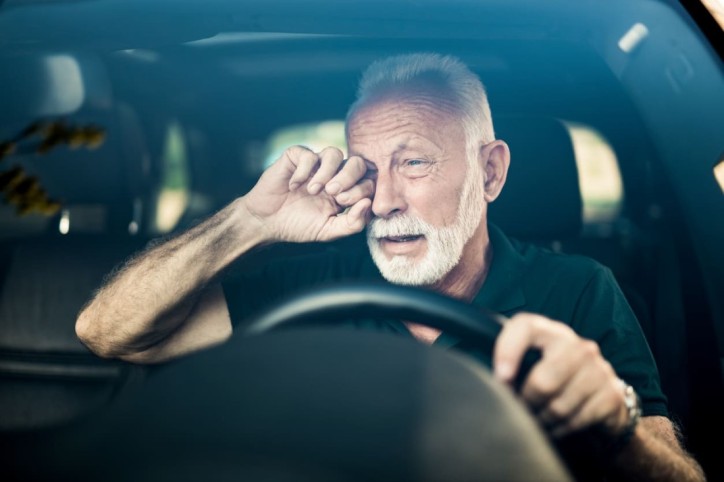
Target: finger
{"x":566,"y":403}
{"x":329,"y":161}
{"x":350,"y":174}
{"x":557,"y":368}
{"x":351,"y":221}
{"x":605,"y":407}
{"x":304,"y":161}
{"x":521,"y":332}
{"x":361,"y":190}
{"x":513,"y":340}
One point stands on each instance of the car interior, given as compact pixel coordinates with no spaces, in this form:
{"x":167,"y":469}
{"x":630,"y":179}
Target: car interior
{"x":189,"y":113}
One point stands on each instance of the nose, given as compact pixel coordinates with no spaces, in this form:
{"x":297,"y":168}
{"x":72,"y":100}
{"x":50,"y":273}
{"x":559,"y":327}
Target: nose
{"x":389,"y":199}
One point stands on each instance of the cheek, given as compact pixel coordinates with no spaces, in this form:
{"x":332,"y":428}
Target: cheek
{"x":435,"y":203}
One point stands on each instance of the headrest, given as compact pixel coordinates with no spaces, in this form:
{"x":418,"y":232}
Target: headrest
{"x":541,"y":199}
{"x":95,"y":184}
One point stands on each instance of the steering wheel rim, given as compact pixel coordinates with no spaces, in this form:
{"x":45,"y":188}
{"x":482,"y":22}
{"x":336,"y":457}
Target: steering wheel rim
{"x":328,"y":304}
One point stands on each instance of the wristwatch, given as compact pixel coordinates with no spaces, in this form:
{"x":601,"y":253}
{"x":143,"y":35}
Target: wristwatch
{"x":633,"y":406}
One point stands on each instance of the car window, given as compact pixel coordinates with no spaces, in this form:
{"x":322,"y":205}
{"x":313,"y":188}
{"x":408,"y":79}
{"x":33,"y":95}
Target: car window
{"x":123,"y":123}
{"x":598,"y":175}
{"x":173,"y":190}
{"x":719,"y":173}
{"x":716,"y":7}
{"x":315,"y":136}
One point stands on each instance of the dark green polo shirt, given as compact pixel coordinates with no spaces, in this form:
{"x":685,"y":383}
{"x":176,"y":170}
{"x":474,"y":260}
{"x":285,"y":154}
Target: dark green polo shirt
{"x":522,"y":277}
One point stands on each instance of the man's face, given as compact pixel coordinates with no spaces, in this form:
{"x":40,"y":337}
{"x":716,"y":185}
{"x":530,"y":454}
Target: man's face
{"x":429,"y":200}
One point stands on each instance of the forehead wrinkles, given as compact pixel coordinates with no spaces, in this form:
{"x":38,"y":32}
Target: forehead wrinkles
{"x":402,"y":115}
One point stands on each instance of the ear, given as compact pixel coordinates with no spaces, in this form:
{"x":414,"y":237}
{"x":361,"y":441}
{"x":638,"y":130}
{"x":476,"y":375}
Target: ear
{"x":495,"y":160}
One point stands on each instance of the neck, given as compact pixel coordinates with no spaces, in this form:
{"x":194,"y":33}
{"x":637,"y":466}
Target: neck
{"x":465,"y":280}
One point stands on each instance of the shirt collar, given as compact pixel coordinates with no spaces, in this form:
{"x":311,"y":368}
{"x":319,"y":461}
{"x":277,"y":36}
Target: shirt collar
{"x":502,"y":289}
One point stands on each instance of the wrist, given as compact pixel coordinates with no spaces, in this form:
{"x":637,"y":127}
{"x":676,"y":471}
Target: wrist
{"x":251,"y":229}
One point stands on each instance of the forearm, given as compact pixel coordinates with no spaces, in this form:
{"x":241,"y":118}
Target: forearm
{"x":654,"y":453}
{"x":151,"y":296}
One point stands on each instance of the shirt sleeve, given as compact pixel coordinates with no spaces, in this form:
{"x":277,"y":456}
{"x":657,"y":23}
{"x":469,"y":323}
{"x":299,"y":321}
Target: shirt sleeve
{"x":271,"y":276}
{"x":266,"y":278}
{"x":603,"y":314}
{"x":249,"y":290}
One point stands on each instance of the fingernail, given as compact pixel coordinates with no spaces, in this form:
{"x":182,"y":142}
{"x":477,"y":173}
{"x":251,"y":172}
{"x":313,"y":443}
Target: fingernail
{"x":293,"y":186}
{"x":334,"y":188}
{"x":315,"y":188}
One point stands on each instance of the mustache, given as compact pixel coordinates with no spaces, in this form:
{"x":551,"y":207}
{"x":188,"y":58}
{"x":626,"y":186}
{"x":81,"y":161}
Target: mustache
{"x":400,"y":225}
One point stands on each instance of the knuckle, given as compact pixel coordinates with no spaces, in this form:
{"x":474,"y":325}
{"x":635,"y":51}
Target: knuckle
{"x":558,"y":409}
{"x":541,"y":385}
{"x":615,"y":394}
{"x":345,"y":198}
{"x":561,"y":329}
{"x":331,"y":151}
{"x":309,"y":158}
{"x":297,"y":151}
{"x":520,"y":319}
{"x":356,"y":163}
{"x":590,"y":349}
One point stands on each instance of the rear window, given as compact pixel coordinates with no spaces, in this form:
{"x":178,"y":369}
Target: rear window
{"x":599,"y":176}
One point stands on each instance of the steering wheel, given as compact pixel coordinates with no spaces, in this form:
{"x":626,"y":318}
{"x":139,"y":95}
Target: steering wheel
{"x":319,"y":404}
{"x":327,"y":305}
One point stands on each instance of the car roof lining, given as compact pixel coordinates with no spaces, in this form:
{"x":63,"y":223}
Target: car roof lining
{"x":107,"y":22}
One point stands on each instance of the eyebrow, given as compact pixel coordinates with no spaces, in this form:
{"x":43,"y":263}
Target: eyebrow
{"x":415,"y":140}
{"x":400,"y":148}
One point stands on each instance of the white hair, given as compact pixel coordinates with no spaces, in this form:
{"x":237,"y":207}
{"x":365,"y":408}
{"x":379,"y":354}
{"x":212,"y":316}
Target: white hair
{"x":458,"y":84}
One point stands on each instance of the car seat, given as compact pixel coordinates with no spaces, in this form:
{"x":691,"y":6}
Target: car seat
{"x":541,"y":202}
{"x":47,"y":377}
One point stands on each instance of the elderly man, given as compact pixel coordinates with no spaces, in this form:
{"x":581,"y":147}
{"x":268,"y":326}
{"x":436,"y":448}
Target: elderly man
{"x":423,"y":166}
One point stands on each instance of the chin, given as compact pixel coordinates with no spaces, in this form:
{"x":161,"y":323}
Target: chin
{"x":409,"y":271}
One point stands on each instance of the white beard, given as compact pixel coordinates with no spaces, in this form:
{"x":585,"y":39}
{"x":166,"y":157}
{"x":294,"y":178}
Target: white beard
{"x":444,"y":244}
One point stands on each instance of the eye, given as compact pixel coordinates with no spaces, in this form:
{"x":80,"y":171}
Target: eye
{"x":415,"y":168}
{"x":416,"y":163}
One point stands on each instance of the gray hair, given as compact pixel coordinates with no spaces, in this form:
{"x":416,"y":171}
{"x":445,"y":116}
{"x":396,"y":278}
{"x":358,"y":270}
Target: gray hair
{"x":462,"y":86}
